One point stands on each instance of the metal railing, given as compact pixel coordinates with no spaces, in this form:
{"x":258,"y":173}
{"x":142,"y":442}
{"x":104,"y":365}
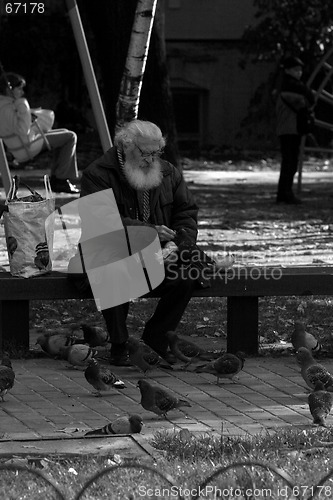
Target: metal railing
{"x":321,"y":93}
{"x":247,"y":480}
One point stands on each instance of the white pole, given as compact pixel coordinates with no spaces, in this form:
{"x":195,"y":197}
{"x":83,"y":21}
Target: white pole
{"x":89,"y":75}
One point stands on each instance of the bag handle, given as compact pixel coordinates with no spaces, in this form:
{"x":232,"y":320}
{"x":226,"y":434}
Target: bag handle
{"x":12,"y":194}
{"x":48,"y":191}
{"x":13,"y":189}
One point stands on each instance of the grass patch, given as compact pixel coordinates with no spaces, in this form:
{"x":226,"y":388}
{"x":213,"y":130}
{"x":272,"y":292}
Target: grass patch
{"x":294,"y":456}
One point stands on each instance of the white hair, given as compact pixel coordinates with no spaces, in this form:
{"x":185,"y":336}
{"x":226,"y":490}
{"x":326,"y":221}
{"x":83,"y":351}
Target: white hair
{"x":128,"y":134}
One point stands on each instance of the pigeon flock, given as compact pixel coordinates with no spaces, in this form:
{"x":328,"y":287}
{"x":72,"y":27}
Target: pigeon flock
{"x":81,"y":354}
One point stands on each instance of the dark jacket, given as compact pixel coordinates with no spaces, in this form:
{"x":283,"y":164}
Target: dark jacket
{"x":297,"y":95}
{"x":171,"y":204}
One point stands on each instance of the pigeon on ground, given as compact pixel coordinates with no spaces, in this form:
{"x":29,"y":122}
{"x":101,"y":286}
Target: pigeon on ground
{"x":102,"y":378}
{"x":53,"y":342}
{"x":226,"y":366}
{"x":7,"y":376}
{"x":122,"y":425}
{"x":320,"y":404}
{"x":158,"y":400}
{"x":144,"y":357}
{"x":300,"y":338}
{"x":78,"y":354}
{"x":313,"y":372}
{"x":94,"y":335}
{"x":185,"y":350}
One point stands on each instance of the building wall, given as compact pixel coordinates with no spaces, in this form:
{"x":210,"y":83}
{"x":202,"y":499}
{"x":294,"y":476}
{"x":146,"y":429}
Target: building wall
{"x":207,"y":19}
{"x":203,"y":40}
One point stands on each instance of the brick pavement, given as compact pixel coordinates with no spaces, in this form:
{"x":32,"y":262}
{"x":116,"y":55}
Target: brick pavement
{"x":50,"y":400}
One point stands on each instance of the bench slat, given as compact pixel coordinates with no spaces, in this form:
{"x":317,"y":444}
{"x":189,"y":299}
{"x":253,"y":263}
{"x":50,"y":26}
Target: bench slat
{"x":252,"y":282}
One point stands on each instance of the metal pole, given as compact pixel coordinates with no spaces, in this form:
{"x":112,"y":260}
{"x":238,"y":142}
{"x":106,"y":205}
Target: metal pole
{"x":89,"y":75}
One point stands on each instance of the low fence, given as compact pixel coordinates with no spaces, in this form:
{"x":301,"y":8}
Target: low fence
{"x":244,"y":480}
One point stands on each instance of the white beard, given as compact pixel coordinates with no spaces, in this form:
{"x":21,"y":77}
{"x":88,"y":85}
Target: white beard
{"x":143,"y":178}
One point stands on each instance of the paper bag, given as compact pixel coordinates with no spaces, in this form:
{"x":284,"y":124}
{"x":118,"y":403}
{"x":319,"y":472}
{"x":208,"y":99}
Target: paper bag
{"x":29,"y":231}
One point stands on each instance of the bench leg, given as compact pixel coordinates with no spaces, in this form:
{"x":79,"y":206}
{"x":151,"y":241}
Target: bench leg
{"x":242,"y":325}
{"x":14,"y":324}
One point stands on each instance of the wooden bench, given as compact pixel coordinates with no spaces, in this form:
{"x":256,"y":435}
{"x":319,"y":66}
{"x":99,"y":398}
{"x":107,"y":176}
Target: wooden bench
{"x":241,"y":286}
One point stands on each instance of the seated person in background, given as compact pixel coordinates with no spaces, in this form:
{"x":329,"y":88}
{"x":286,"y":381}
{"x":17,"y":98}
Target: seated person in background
{"x":25,"y":140}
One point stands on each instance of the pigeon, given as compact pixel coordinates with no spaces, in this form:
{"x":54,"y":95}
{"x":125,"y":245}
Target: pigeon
{"x":226,"y":366}
{"x":158,"y":400}
{"x":300,"y":338}
{"x":313,"y":372}
{"x":7,"y":376}
{"x":122,"y":425}
{"x":186,"y":351}
{"x":101,"y":377}
{"x":144,"y":357}
{"x":53,"y":342}
{"x":78,"y":354}
{"x":320,"y":404}
{"x":94,"y":335}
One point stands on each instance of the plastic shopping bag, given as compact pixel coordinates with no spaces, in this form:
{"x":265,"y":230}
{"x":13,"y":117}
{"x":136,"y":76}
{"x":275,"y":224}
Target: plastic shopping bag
{"x":29,"y":231}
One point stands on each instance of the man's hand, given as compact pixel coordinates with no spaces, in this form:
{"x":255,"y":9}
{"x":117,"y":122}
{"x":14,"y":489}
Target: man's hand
{"x":3,"y":208}
{"x":164,"y":233}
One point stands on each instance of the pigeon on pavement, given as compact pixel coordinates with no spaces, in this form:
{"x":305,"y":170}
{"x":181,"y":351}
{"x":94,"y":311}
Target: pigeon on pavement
{"x":7,"y":376}
{"x":122,"y":425}
{"x":320,"y":404}
{"x":78,"y":354}
{"x":313,"y":372}
{"x":300,"y":338}
{"x":94,"y":335}
{"x":158,"y":400}
{"x":144,"y":357}
{"x":101,"y":377}
{"x":226,"y":366}
{"x":185,"y":350}
{"x":53,"y":342}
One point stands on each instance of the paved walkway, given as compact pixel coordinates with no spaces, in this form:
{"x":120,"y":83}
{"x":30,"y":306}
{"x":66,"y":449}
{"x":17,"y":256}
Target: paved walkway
{"x":50,"y":400}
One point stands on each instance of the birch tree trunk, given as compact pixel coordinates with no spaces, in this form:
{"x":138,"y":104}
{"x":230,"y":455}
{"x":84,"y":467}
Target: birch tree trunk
{"x":131,"y":83}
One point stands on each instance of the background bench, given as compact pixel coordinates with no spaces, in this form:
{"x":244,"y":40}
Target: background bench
{"x":242,"y":287}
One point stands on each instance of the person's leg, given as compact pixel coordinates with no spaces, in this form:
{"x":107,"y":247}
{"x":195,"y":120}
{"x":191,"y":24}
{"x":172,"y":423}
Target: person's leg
{"x":176,"y":291}
{"x":115,"y":319}
{"x":289,"y":145}
{"x":63,"y":143}
{"x":294,"y":147}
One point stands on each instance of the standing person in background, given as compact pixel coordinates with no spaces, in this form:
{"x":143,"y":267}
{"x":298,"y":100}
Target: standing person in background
{"x":25,"y":141}
{"x":293,"y":96}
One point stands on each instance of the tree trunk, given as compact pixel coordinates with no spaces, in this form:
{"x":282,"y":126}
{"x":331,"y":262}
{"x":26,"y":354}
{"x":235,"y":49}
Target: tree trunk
{"x":108,"y":31}
{"x":131,"y":83}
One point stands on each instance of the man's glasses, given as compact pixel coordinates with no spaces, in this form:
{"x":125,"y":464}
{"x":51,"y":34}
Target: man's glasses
{"x":152,"y":154}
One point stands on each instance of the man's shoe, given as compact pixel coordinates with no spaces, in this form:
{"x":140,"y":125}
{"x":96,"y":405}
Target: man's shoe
{"x":120,"y":360}
{"x":167,"y":355}
{"x":63,"y":186}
